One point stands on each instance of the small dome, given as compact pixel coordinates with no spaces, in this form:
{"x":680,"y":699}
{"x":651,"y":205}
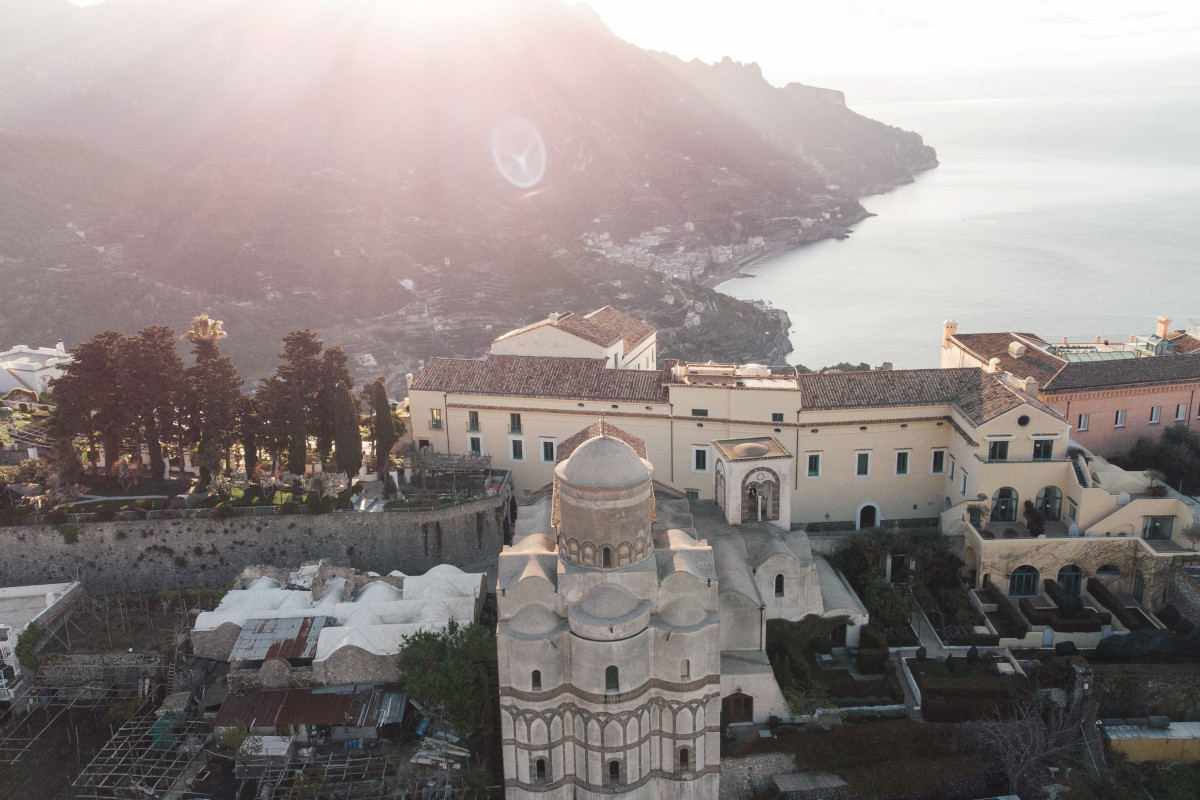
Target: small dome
{"x":603,"y":462}
{"x":608,"y":601}
{"x":682,"y":614}
{"x":535,"y":620}
{"x":750,"y":450}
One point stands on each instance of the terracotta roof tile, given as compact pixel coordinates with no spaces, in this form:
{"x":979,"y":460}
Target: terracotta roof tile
{"x":1186,"y":344}
{"x":1035,"y":364}
{"x":575,"y":325}
{"x":541,"y":376}
{"x":1090,"y":375}
{"x":632,"y":331}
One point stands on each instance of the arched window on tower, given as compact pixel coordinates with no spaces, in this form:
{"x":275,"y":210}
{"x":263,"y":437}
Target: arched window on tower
{"x":539,"y":771}
{"x":779,"y":585}
{"x":685,"y":669}
{"x":685,"y":759}
{"x":535,"y":680}
{"x":612,"y":682}
{"x":614,"y":773}
{"x":606,"y":558}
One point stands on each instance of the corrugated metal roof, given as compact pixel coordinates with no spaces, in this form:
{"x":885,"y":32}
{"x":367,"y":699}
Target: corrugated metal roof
{"x":357,"y":706}
{"x":293,"y":637}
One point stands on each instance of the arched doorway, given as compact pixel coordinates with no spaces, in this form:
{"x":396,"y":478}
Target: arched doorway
{"x":736,"y":708}
{"x":1070,"y":580}
{"x":760,"y":496}
{"x":1049,"y":502}
{"x":1004,"y":505}
{"x":971,"y":565}
{"x":868,"y":516}
{"x":1023,"y":582}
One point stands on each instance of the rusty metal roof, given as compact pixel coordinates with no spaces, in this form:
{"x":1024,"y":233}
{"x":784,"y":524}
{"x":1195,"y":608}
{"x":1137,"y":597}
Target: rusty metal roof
{"x":353,"y":705}
{"x":294,"y":637}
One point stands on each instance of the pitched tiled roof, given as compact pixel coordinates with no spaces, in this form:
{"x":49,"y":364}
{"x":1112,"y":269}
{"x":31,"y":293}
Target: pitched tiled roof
{"x":599,"y":428}
{"x":1035,"y":364}
{"x":977,"y":394}
{"x":1089,"y":375}
{"x":541,"y":376}
{"x":632,"y":331}
{"x":575,"y":325}
{"x":1186,"y":344}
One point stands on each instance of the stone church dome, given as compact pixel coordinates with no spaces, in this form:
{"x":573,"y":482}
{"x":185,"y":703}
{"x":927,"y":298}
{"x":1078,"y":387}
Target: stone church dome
{"x":604,"y":505}
{"x":603,"y":462}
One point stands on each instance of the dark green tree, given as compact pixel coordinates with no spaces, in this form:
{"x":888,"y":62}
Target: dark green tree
{"x":384,"y":429}
{"x":443,"y":672}
{"x":322,"y":416}
{"x":248,"y":432}
{"x":91,"y":394}
{"x":156,"y":384}
{"x":297,"y":436}
{"x":347,"y":438}
{"x":67,"y":463}
{"x":215,"y":394}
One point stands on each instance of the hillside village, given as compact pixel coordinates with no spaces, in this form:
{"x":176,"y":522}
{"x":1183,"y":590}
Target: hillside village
{"x":579,"y":567}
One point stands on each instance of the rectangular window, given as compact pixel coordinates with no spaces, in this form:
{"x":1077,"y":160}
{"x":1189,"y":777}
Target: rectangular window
{"x":699,"y":412}
{"x":1181,"y":412}
{"x":950,"y":476}
{"x":776,"y":417}
{"x":901,"y":462}
{"x":518,"y":449}
{"x":862,"y":464}
{"x":699,"y":458}
{"x":814,"y":465}
{"x":1043,"y":449}
{"x":998,"y":451}
{"x":475,"y":445}
{"x":963,"y":486}
{"x":514,"y":423}
{"x":548,"y":450}
{"x":472,"y":420}
{"x":692,"y":494}
{"x":1157,"y":527}
{"x":1155,"y":414}
{"x":1119,"y":419}
{"x":435,"y":418}
{"x":1083,"y":421}
{"x":939,"y":462}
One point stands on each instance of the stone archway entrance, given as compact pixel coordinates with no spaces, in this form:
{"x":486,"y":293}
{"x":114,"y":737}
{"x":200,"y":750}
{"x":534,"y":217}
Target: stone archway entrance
{"x":737,"y":708}
{"x":868,"y":516}
{"x":760,"y":496}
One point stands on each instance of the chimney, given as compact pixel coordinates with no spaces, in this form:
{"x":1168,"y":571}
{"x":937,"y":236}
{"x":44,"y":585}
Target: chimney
{"x":1031,"y":387}
{"x":553,"y":317}
{"x":993,"y":366}
{"x":408,"y":379}
{"x":949,"y":328}
{"x":60,"y":347}
{"x":1016,"y":349}
{"x":1164,"y":326}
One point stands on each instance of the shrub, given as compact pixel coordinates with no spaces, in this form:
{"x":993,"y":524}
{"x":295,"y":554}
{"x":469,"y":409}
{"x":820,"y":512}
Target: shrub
{"x":105,"y":513}
{"x":290,"y":507}
{"x":922,"y":653}
{"x":56,"y":516}
{"x":221,"y":511}
{"x":975,"y":639}
{"x":872,"y":661}
{"x":1013,"y":620}
{"x":1104,"y":597}
{"x":973,"y":655}
{"x":872,"y":638}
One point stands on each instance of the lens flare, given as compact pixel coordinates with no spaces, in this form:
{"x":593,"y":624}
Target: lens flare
{"x":519,"y":153}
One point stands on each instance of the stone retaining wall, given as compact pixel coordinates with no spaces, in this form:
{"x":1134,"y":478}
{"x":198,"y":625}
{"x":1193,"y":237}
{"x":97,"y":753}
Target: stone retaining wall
{"x":174,"y":554}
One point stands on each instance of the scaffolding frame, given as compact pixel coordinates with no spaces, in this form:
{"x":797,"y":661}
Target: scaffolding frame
{"x":363,"y":775}
{"x":148,"y":756}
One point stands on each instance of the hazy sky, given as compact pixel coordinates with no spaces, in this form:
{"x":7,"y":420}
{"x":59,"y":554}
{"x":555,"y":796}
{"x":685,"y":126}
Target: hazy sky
{"x":929,"y":49}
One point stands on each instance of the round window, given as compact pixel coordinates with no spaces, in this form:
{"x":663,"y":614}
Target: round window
{"x":1023,"y":420}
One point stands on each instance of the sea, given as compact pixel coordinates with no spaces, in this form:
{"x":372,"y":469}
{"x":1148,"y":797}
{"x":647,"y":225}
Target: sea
{"x":1074,"y":216}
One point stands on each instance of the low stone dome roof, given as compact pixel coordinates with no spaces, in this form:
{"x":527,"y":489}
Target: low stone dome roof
{"x":535,"y":620}
{"x":603,"y":462}
{"x":751,"y":450}
{"x":608,"y":601}
{"x":683,"y":613}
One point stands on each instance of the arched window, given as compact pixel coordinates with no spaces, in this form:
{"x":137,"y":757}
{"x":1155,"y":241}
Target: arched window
{"x":535,"y":681}
{"x":614,"y":773}
{"x":1108,"y":571}
{"x":539,"y":771}
{"x":1023,"y":582}
{"x":779,"y":585}
{"x":1070,"y":579}
{"x":612,"y":682}
{"x":685,"y":759}
{"x":1049,"y":502}
{"x":606,"y":558}
{"x":685,"y":669}
{"x":1004,"y":505}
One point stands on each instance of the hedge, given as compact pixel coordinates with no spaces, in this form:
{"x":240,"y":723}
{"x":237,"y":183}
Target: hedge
{"x":1012,"y":618}
{"x":871,"y":638}
{"x":976,"y":639}
{"x":1091,"y":623}
{"x":1104,"y":597}
{"x":872,"y":661}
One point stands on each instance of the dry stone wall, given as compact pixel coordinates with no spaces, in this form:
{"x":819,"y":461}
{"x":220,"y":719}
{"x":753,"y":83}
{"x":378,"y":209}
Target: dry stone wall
{"x":174,"y":554}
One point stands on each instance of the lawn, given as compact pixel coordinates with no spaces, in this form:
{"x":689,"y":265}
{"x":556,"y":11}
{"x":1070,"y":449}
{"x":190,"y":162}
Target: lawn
{"x":886,"y":759}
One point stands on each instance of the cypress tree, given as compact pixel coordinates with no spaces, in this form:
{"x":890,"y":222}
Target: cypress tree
{"x":347,"y":439}
{"x":297,"y":435}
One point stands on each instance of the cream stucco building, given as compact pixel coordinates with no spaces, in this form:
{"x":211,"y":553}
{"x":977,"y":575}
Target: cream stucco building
{"x":833,"y":451}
